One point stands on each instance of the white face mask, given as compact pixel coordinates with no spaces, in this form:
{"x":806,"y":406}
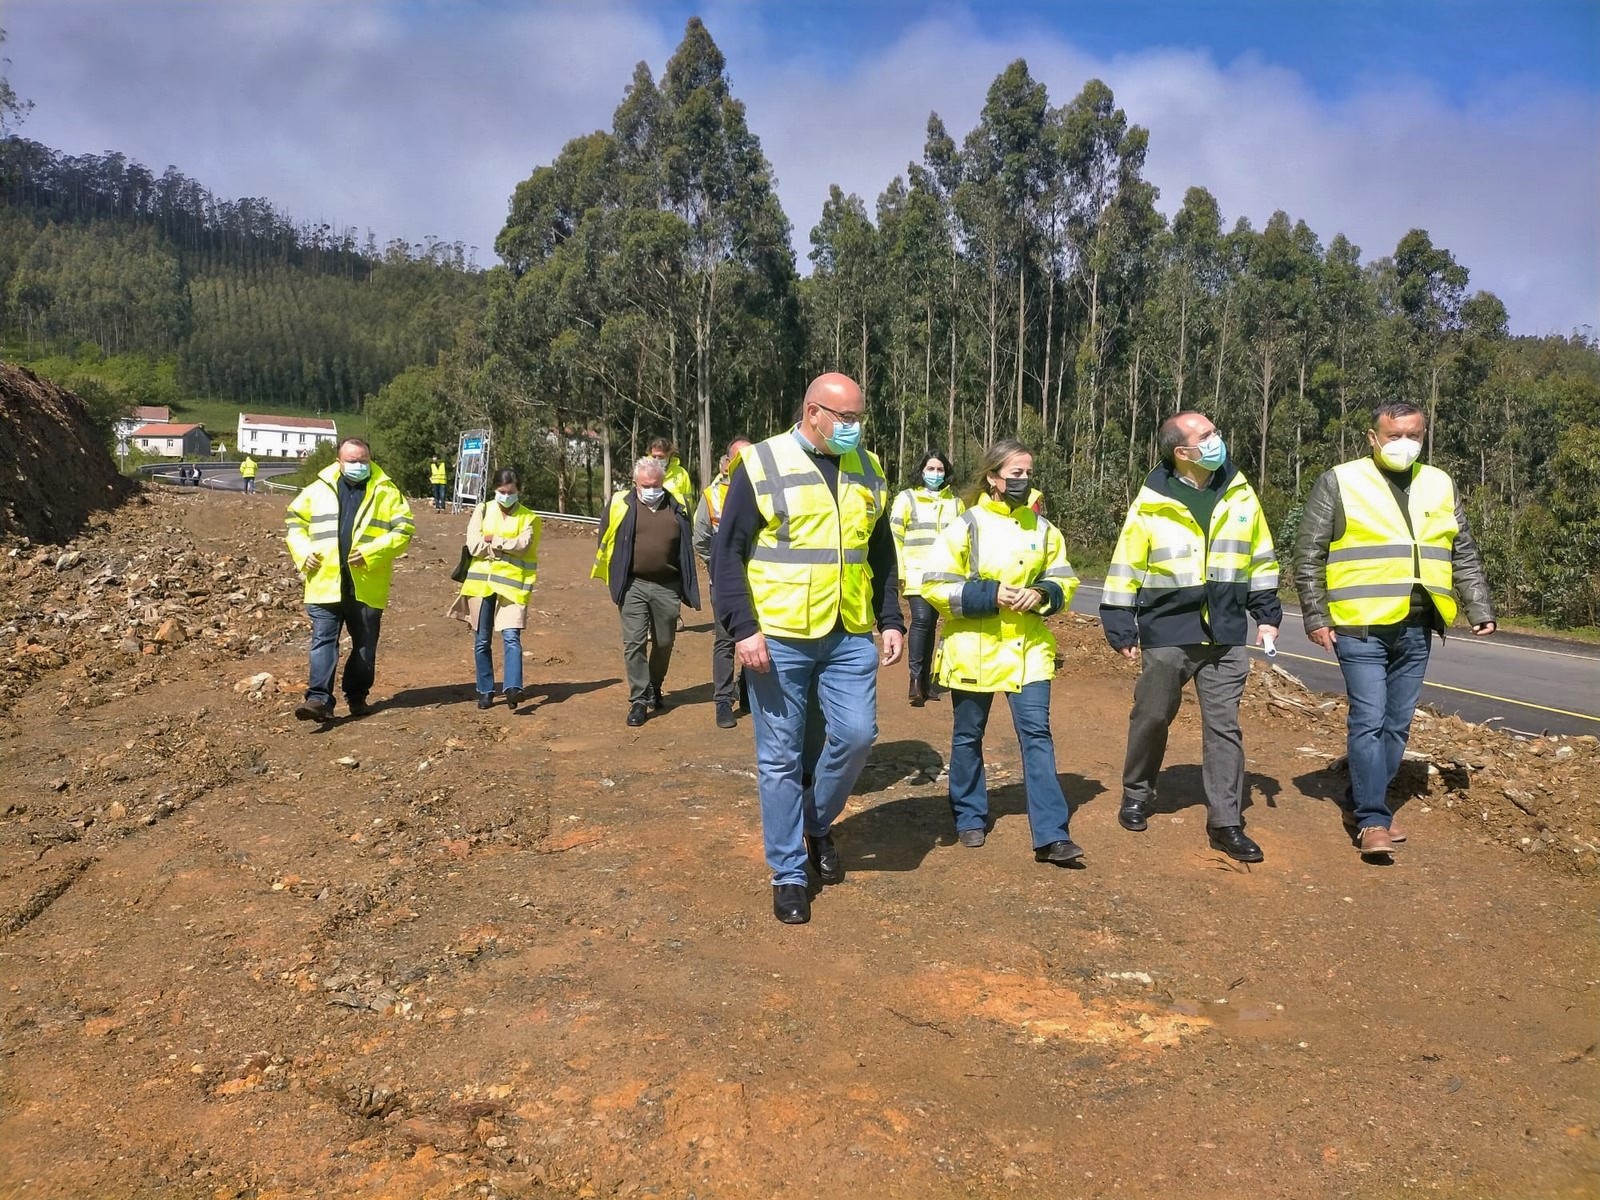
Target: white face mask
{"x":1400,"y":453}
{"x":652,"y":495}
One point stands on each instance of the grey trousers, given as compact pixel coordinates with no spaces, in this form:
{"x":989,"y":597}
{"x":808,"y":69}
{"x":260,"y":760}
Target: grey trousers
{"x":1219,"y":674}
{"x":649,"y":626}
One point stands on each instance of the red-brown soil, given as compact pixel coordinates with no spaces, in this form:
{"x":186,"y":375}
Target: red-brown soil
{"x":445,"y":952}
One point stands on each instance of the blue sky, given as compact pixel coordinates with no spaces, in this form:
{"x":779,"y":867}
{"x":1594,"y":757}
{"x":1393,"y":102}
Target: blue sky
{"x":1477,"y":121}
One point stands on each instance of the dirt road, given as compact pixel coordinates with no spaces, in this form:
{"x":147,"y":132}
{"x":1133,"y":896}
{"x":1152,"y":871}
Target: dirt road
{"x":441,"y":951}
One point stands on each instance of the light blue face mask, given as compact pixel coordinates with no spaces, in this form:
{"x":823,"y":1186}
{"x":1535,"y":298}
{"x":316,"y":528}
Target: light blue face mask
{"x":507,"y":501}
{"x":932,"y":480}
{"x":1213,"y":451}
{"x":652,"y":496}
{"x":355,"y":472}
{"x":844,"y":438}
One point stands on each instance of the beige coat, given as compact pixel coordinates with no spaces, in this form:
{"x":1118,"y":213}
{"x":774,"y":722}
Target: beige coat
{"x":465,"y":608}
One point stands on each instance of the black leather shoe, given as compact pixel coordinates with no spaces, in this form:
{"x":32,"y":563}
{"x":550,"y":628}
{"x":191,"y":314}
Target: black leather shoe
{"x":1131,"y":816}
{"x":824,"y":856}
{"x":1059,"y":853}
{"x":637,"y":714}
{"x":1231,"y":840}
{"x":513,"y":698}
{"x":360,"y":708}
{"x":790,"y":904}
{"x":725,"y":715}
{"x":654,"y":699}
{"x":485,"y":699}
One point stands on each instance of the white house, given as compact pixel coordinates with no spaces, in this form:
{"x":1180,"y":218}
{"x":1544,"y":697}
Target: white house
{"x":143,"y":414}
{"x":283,"y":437}
{"x":173,"y":441}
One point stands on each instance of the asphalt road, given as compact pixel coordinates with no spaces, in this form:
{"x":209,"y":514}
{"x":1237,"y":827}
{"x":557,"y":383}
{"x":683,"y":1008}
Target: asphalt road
{"x":225,"y":479}
{"x":1512,"y":681}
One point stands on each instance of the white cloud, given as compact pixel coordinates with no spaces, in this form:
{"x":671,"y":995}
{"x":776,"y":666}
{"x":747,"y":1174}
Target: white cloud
{"x":375,"y":116}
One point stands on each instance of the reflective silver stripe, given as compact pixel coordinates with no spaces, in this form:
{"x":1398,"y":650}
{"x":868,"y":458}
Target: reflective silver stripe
{"x":1227,"y":574}
{"x":483,"y":576}
{"x":527,"y":564}
{"x":1121,"y":571}
{"x":1230,"y":546}
{"x":331,"y":519}
{"x":1167,"y":583}
{"x":1370,"y":591}
{"x":941,"y":577}
{"x":1162,"y":553}
{"x":794,"y":554}
{"x":1059,"y":573}
{"x":1442,"y":553}
{"x":1447,"y":593}
{"x":953,"y":598}
{"x":1267,"y":581}
{"x":854,"y":557}
{"x":1263,"y":556}
{"x":1361,"y":553}
{"x":971,"y":518}
{"x":1117,"y":599}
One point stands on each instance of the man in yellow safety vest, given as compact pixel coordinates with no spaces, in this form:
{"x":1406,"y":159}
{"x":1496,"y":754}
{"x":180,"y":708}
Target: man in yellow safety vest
{"x":1382,"y":553}
{"x":802,"y":567}
{"x":345,"y":529}
{"x":247,"y":472}
{"x":725,"y":688}
{"x":438,"y":476}
{"x":677,"y":481}
{"x":1193,"y":564}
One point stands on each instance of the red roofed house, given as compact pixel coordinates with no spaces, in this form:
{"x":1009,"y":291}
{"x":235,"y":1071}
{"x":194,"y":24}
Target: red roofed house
{"x":283,"y":437}
{"x":173,"y":441}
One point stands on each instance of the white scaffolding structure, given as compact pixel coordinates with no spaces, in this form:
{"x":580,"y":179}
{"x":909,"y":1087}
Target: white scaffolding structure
{"x":472,"y":468}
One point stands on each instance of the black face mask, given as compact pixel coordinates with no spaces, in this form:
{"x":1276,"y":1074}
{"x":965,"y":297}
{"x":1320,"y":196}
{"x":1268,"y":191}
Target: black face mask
{"x":1017,"y":490}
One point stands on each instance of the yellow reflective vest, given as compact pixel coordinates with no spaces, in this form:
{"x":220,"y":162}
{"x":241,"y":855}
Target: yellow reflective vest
{"x":808,"y":565}
{"x":508,"y":571}
{"x":677,"y":482}
{"x":436,"y":472}
{"x":382,"y":530}
{"x":1002,"y":651}
{"x":916,"y":520}
{"x":1162,"y":552}
{"x":247,"y":469}
{"x":1373,"y":568}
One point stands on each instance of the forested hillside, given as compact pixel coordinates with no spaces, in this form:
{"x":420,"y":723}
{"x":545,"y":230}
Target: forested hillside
{"x":102,"y":259}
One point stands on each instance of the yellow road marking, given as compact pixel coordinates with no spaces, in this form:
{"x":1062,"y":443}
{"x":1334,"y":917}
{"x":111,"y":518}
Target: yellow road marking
{"x":1451,"y":688}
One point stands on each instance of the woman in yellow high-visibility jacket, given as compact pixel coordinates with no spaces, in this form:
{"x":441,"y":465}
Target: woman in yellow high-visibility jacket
{"x":916,"y":519}
{"x":994,"y":575}
{"x":503,"y":539}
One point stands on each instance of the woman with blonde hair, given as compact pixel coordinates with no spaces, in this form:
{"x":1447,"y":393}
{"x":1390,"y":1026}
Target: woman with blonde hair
{"x":994,"y":575}
{"x":503,"y":540}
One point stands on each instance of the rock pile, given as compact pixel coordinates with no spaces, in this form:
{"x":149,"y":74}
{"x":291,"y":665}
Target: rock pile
{"x":54,"y":468}
{"x":129,"y":592}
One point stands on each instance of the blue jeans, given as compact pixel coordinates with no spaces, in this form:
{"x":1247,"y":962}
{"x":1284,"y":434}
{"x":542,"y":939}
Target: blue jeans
{"x":438,"y":497}
{"x":1383,"y":678}
{"x":483,"y":652}
{"x":359,"y":669}
{"x":969,"y":792}
{"x":843,"y":668}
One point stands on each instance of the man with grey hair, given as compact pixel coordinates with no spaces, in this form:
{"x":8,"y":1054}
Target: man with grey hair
{"x":646,"y":559}
{"x":1194,"y":562}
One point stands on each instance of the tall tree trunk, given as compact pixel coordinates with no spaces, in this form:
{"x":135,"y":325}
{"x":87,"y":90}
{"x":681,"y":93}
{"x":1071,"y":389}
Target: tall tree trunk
{"x":994,"y":352}
{"x":1049,"y":346}
{"x":1222,"y":356}
{"x":1183,"y":339}
{"x":1022,"y":333}
{"x":1266,"y":411}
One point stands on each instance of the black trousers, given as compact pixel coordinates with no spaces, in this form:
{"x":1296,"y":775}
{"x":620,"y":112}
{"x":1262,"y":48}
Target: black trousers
{"x":919,"y":644}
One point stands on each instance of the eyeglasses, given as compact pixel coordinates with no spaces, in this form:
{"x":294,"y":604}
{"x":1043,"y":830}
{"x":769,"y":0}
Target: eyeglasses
{"x":859,"y":418}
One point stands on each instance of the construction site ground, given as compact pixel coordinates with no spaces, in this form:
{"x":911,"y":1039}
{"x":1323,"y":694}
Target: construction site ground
{"x":441,"y":951}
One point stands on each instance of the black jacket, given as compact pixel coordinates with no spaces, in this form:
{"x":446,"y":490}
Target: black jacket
{"x":621,"y":569}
